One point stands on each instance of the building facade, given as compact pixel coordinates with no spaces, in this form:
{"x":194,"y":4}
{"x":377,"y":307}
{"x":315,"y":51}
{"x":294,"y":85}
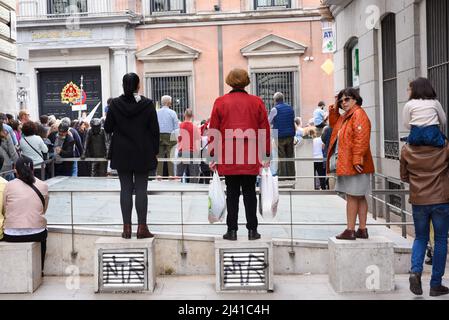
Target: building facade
{"x":381,"y":47}
{"x":8,"y":53}
{"x":183,"y":48}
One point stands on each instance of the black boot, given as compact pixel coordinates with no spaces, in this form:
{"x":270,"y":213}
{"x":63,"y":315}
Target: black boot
{"x":438,"y":291}
{"x":415,"y":283}
{"x":230,"y":235}
{"x":253,"y":235}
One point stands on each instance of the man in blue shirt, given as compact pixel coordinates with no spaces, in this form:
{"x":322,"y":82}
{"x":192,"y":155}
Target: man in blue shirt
{"x":168,"y":125}
{"x":282,"y":117}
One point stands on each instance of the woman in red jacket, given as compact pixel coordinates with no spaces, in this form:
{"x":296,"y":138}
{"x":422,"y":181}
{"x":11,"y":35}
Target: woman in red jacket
{"x":240,"y":135}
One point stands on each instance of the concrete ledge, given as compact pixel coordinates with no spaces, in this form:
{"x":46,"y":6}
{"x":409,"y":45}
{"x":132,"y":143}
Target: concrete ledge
{"x":244,"y":266}
{"x":361,"y":265}
{"x":124,"y":265}
{"x":192,"y":255}
{"x":20,"y":267}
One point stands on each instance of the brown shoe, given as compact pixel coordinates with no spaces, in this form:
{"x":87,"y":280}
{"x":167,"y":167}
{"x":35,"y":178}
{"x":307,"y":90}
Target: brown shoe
{"x":143,"y":232}
{"x":362,"y":234}
{"x":126,"y":231}
{"x":347,"y":235}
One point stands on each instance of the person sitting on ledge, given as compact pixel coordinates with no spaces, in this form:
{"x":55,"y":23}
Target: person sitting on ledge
{"x":25,"y":203}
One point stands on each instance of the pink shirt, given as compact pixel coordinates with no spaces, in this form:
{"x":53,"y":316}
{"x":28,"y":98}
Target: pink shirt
{"x":23,"y":207}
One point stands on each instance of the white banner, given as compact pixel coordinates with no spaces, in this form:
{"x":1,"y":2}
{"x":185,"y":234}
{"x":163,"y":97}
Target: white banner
{"x":329,"y":45}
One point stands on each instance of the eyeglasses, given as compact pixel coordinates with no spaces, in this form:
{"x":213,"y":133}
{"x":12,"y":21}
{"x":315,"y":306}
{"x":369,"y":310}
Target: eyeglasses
{"x":345,"y":100}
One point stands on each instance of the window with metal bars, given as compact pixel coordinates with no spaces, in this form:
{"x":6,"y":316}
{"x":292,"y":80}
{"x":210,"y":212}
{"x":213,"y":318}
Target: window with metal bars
{"x":176,"y":87}
{"x":390,"y":87}
{"x":268,"y":83}
{"x":261,"y":4}
{"x":178,"y":6}
{"x":67,"y":6}
{"x":438,"y":50}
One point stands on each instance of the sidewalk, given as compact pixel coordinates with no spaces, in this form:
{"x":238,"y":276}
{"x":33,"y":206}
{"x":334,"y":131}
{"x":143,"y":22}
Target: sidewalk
{"x":301,"y":287}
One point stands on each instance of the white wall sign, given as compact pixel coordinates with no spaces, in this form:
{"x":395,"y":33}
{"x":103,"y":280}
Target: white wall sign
{"x":329,"y":45}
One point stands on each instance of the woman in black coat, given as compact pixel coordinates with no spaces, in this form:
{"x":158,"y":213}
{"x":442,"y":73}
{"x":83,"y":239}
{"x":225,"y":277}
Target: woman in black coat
{"x":132,"y":121}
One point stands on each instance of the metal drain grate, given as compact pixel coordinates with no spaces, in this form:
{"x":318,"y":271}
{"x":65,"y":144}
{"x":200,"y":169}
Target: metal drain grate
{"x":123,"y":270}
{"x":244,"y":269}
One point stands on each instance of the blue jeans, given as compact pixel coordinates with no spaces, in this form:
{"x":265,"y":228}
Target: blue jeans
{"x":439,"y":215}
{"x":426,"y":136}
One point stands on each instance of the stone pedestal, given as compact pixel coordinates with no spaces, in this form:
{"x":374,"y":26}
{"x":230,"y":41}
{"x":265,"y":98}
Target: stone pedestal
{"x":361,"y":265}
{"x":124,"y":265}
{"x":243,"y":265}
{"x":20,"y":267}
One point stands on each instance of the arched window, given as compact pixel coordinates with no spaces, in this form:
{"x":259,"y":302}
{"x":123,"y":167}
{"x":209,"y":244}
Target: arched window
{"x":352,"y":63}
{"x":438,"y":49}
{"x":390,"y":87}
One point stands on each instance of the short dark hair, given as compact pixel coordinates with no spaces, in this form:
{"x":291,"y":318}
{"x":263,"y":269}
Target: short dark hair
{"x":63,"y":127}
{"x":354,"y":94}
{"x":3,"y":117}
{"x":10,"y":117}
{"x":422,"y":88}
{"x":321,"y":104}
{"x":29,"y":129}
{"x":43,"y":119}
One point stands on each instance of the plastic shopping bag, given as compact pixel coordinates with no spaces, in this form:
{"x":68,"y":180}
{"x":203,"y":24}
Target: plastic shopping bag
{"x":269,"y":195}
{"x":217,"y":200}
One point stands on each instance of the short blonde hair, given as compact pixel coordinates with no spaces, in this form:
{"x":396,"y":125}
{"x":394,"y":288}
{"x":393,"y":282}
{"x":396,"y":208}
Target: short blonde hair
{"x":238,"y":78}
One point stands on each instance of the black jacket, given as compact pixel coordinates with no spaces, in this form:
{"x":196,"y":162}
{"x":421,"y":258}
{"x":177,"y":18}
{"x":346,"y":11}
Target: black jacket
{"x":135,"y":134}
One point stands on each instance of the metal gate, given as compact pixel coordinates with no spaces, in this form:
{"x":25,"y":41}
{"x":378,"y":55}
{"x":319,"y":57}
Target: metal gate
{"x":390,"y":90}
{"x":268,"y":83}
{"x":438,"y":49}
{"x":51,"y":82}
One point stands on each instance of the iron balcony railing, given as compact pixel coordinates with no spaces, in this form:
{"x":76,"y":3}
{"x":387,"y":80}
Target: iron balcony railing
{"x":60,"y":9}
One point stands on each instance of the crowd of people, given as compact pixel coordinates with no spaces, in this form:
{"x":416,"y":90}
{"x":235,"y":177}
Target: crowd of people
{"x":134,"y":136}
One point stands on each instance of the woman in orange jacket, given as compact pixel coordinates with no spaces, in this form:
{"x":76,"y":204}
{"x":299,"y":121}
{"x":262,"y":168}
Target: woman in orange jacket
{"x":349,"y":156}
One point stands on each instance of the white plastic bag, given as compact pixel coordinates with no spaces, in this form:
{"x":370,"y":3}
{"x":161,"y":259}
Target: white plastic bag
{"x":217,"y":200}
{"x":269,"y":195}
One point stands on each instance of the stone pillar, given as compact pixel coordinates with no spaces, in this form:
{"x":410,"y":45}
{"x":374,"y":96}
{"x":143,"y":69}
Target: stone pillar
{"x":131,"y":57}
{"x":118,"y":70}
{"x":20,"y":265}
{"x":361,"y":265}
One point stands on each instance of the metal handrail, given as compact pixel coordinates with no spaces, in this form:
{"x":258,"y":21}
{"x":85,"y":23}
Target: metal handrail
{"x":290,"y":192}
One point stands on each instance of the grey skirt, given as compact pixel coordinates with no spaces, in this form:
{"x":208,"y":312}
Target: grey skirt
{"x":358,"y":185}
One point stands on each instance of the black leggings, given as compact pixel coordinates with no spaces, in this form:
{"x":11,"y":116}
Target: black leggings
{"x":39,"y":237}
{"x":137,"y":182}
